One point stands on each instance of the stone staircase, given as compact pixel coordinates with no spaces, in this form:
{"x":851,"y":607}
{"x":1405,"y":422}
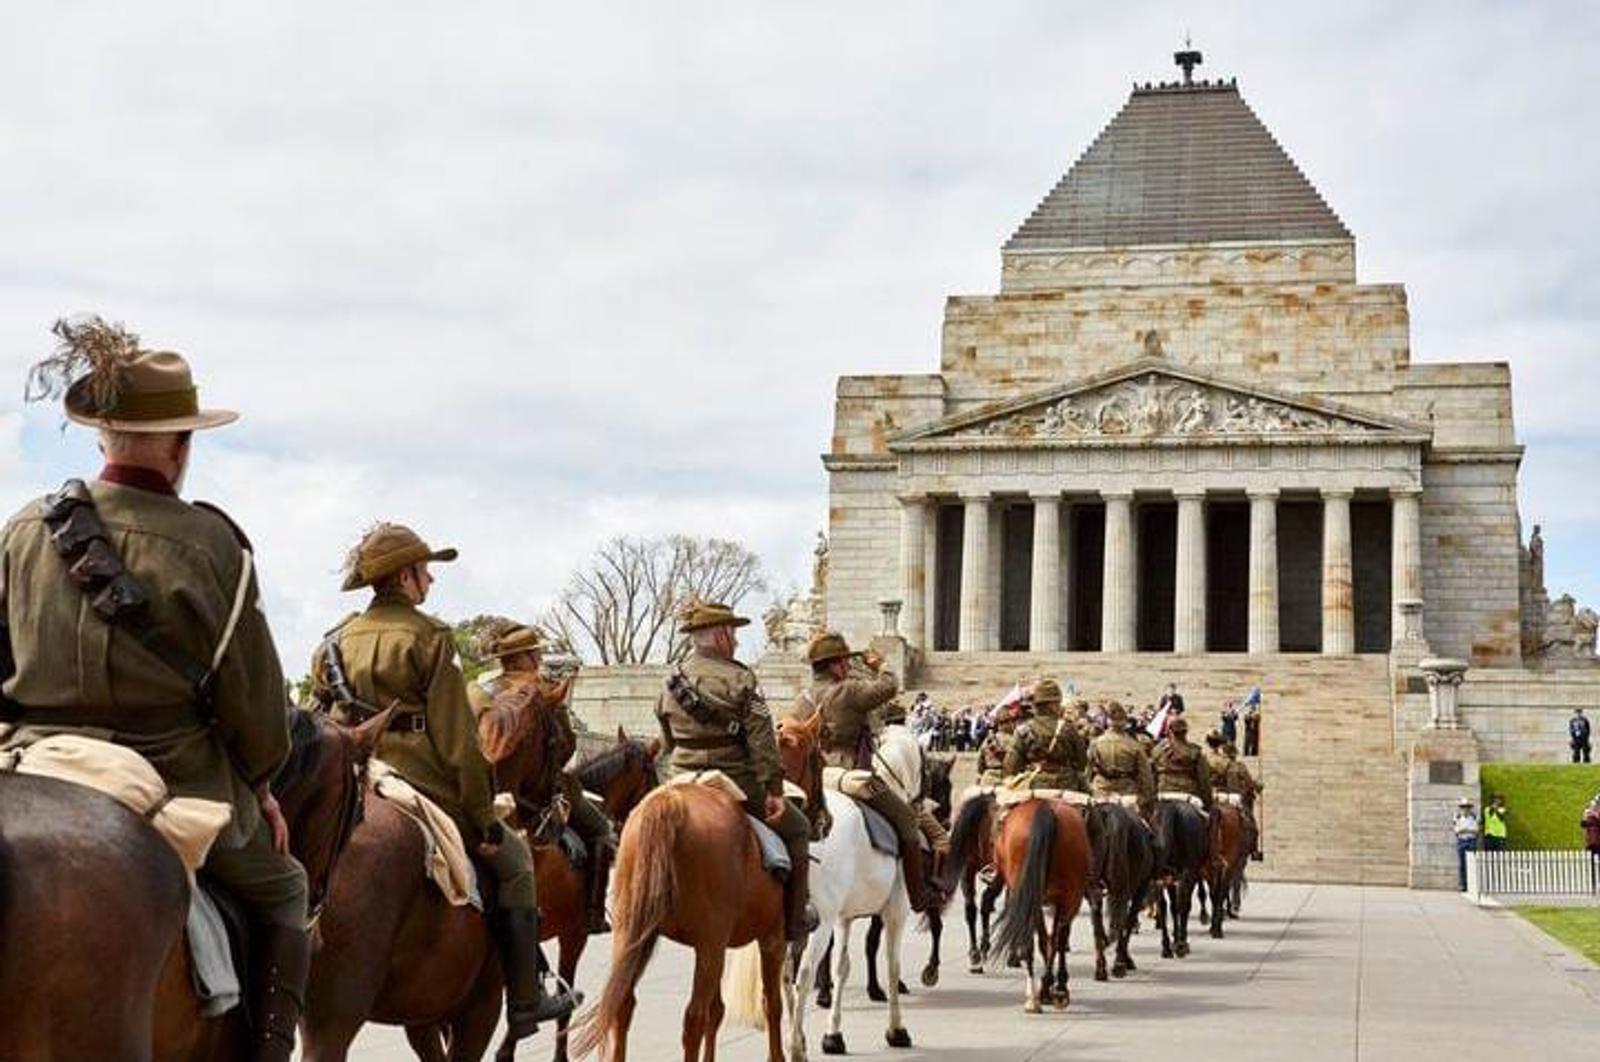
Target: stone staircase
{"x":1335,"y":806}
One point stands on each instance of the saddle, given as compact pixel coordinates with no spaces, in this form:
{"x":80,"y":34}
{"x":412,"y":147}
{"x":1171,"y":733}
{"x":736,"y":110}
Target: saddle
{"x":774,"y":856}
{"x":1176,"y":797}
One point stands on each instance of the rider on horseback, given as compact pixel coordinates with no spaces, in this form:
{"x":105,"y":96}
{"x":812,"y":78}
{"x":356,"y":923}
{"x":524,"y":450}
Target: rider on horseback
{"x":997,"y":745}
{"x":520,"y":654}
{"x":1228,"y":775}
{"x":1118,"y":765}
{"x":393,"y":652}
{"x":1049,"y":743}
{"x":847,"y":694}
{"x":1180,"y":765}
{"x":713,"y":716}
{"x":172,"y":657}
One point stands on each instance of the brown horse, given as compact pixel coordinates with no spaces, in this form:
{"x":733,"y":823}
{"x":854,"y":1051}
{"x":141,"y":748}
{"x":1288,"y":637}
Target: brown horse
{"x":623,"y":774}
{"x":1042,"y":856}
{"x":972,"y":850}
{"x":1185,"y":844}
{"x":689,"y":869}
{"x":1230,"y":850}
{"x":1124,"y":861}
{"x":93,"y":895}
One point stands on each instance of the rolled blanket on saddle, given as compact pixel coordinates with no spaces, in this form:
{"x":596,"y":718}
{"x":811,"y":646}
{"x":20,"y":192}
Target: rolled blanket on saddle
{"x":445,"y":858}
{"x":774,"y":856}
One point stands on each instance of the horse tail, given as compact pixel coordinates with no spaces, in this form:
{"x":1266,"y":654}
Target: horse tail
{"x":646,"y":893}
{"x":971,"y":821}
{"x":1027,"y":896}
{"x":742,"y":988}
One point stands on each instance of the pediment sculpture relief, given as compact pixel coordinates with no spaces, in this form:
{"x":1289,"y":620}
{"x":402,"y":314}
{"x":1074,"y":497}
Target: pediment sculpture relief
{"x":1156,"y":405}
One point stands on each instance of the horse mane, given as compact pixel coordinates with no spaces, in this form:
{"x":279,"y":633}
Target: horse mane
{"x":601,"y":770}
{"x":305,"y":750}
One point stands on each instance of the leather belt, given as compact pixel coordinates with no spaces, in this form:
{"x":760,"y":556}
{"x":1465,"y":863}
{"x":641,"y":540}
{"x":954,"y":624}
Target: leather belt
{"x":706,"y":744}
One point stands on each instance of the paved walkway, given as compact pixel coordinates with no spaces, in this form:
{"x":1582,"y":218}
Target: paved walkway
{"x":1310,"y":973}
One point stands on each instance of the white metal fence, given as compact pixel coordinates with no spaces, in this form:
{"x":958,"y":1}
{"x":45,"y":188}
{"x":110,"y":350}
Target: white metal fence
{"x":1511,"y":873}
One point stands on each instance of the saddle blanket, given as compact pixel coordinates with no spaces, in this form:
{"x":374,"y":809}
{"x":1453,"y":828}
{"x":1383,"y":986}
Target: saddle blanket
{"x":714,"y":779}
{"x":1182,"y":798}
{"x":1007,"y":797}
{"x":880,"y":831}
{"x":444,"y":858}
{"x":1233,"y":799}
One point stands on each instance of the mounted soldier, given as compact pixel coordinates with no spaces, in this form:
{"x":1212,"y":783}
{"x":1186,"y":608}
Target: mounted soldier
{"x":1118,"y":764}
{"x":714,"y":717}
{"x":992,"y":753}
{"x":519,"y":651}
{"x":394,"y":653}
{"x":846,"y":690}
{"x":1180,"y":765}
{"x":1049,"y":743}
{"x":135,"y":617}
{"x":1229,"y":775}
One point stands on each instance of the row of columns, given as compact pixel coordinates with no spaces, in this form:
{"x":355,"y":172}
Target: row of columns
{"x":1119,"y":605}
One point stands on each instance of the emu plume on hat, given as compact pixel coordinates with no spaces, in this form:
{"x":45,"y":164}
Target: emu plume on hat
{"x":107,"y":380}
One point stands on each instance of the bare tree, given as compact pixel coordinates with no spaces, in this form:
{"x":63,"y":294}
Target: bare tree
{"x":623,"y":605}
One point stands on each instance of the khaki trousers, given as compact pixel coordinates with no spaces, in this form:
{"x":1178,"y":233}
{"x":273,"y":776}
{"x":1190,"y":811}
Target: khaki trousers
{"x":271,"y":885}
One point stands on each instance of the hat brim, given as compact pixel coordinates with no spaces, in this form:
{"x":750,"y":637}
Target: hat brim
{"x":201,"y":421}
{"x":355,"y":580}
{"x":734,"y":621}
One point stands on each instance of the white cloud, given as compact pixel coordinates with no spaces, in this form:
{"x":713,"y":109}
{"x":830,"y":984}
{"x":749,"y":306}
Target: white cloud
{"x":529,"y":275}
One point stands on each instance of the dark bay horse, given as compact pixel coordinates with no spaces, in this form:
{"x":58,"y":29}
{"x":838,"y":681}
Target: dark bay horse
{"x":1043,"y":857}
{"x":688,"y":869}
{"x":1183,"y":833}
{"x":1124,"y":860}
{"x":93,"y":904}
{"x":971,"y":850}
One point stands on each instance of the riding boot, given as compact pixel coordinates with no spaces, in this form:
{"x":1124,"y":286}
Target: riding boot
{"x":527,"y":1002}
{"x":601,"y":852}
{"x":799,"y":918}
{"x":917,"y":890}
{"x":281,"y":959}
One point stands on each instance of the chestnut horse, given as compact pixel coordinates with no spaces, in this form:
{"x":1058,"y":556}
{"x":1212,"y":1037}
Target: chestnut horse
{"x":1230,"y":849}
{"x":688,"y":869}
{"x":623,"y":774}
{"x":1042,"y":856}
{"x":972,"y":850}
{"x":93,"y":904}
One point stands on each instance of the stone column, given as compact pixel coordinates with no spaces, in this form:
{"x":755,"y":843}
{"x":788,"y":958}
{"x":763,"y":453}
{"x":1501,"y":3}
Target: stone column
{"x":974,"y":573}
{"x":1263,"y":636}
{"x":1405,"y":579}
{"x":1189,"y":597}
{"x":1044,"y":619}
{"x":1118,"y":616}
{"x":913,"y":573}
{"x":1338,"y":595}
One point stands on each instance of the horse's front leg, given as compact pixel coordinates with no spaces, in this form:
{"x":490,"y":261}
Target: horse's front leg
{"x":796,"y":990}
{"x":833,"y":1039}
{"x":969,"y":889}
{"x":894,"y":926}
{"x":824,"y":978}
{"x":930,"y":972}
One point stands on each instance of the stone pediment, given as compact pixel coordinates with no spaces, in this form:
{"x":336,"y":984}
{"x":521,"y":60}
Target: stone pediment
{"x":1154,"y":401}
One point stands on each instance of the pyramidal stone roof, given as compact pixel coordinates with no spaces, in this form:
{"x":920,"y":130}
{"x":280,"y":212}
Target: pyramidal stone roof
{"x":1180,"y":164}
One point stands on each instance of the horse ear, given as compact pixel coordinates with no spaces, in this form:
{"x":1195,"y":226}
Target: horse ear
{"x":364,"y":738}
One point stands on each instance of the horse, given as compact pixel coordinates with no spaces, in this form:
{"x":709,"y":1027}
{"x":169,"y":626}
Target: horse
{"x":1230,"y":849}
{"x":689,"y":869}
{"x":1183,"y":835}
{"x":78,"y":867}
{"x":624,"y":773}
{"x":1043,"y":857}
{"x":402,"y":955}
{"x":936,"y":782}
{"x":1124,"y":860}
{"x":972,"y":850}
{"x":850,"y":878}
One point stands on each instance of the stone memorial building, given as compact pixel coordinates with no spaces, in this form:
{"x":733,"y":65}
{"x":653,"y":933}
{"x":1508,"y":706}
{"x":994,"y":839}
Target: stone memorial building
{"x":1184,"y":441}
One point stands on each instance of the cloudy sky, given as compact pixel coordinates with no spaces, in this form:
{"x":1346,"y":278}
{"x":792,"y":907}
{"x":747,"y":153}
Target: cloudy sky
{"x":528,"y":275}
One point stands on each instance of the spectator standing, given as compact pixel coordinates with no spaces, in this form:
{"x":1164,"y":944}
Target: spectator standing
{"x":1230,"y":723}
{"x":1171,"y":699}
{"x":1252,"y":722}
{"x":1578,"y":733}
{"x":1494,"y":824}
{"x":1466,"y":831}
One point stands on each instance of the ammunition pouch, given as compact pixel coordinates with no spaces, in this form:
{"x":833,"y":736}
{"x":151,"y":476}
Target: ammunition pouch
{"x":706,"y":715}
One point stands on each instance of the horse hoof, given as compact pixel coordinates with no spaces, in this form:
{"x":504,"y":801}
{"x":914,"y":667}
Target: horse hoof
{"x":1182,"y":951}
{"x":898,"y":1038}
{"x":824,"y":1000}
{"x":1063,"y":999}
{"x":1216,"y":933}
{"x":1100,"y":975}
{"x":1129,"y":965}
{"x":1119,"y":971}
{"x":975,"y":968}
{"x":1031,"y":1007}
{"x":930,"y":977}
{"x":833,"y":1043}
{"x":1166,"y":952}
{"x":875,"y":994}
{"x":1014,"y":963}
{"x":900,"y":986}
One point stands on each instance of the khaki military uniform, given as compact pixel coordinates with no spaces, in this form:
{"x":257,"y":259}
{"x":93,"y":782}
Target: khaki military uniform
{"x":1051,"y":743}
{"x":1180,"y":767}
{"x":394,"y":652}
{"x":75,"y":673}
{"x":590,"y":821}
{"x":1118,"y":766}
{"x":992,"y":756}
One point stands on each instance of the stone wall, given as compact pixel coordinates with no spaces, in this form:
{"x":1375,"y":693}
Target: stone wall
{"x":1520,"y":716}
{"x":605,"y":698}
{"x":1287,"y":262}
{"x":1470,"y":560}
{"x":863,"y":550}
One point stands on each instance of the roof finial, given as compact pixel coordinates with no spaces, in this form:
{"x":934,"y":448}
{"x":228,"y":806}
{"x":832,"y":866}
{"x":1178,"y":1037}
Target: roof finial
{"x":1188,"y":59}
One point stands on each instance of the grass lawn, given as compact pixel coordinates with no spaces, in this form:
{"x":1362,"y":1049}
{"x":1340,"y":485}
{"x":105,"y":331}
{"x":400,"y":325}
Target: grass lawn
{"x":1543,"y":800}
{"x":1576,"y":927}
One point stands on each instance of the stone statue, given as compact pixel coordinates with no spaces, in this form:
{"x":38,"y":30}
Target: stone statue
{"x":1536,"y":556}
{"x":819,"y":567}
{"x":1194,"y":412}
{"x":1152,"y":344}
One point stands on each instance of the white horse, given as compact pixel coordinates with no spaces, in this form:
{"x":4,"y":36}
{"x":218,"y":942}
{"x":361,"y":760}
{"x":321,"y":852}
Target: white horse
{"x":849,"y":880}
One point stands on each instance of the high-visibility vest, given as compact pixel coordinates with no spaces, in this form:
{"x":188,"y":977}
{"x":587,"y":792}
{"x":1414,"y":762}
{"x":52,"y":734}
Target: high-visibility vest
{"x":1494,"y":824}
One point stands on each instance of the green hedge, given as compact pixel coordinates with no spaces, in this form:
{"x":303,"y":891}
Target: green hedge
{"x":1543,"y":800}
